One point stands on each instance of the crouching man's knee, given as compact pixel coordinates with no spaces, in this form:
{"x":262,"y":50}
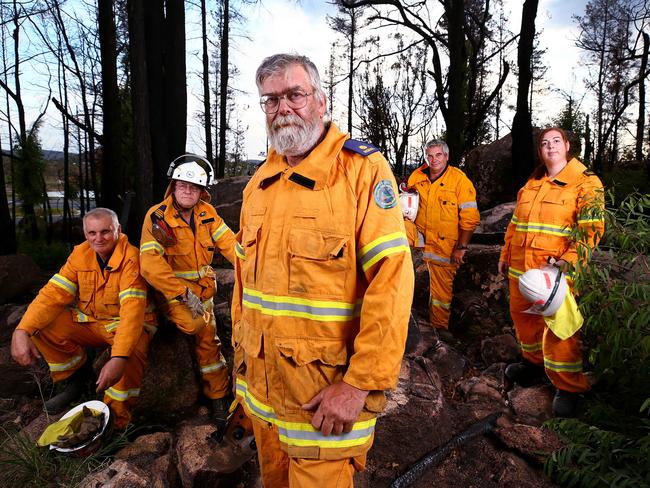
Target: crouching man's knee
{"x":182,"y":317}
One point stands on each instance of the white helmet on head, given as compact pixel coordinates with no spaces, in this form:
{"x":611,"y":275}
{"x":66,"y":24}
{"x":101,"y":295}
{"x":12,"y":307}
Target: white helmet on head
{"x":545,"y":288}
{"x":192,"y":169}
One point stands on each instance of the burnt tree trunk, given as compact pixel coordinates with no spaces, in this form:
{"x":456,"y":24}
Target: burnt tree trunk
{"x":112,"y":159}
{"x":175,"y":101}
{"x":640,"y":121}
{"x":141,"y":111}
{"x":223,"y":87}
{"x":523,"y":151}
{"x":455,"y":10}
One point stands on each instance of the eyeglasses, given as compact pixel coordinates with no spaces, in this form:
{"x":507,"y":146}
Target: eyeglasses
{"x":188,"y":187}
{"x":295,"y":99}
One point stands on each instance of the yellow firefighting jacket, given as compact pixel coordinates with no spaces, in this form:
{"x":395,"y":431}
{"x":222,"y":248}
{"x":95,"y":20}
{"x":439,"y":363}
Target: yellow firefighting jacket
{"x":186,"y":264}
{"x":117,"y":298}
{"x":446,"y":205}
{"x":324,"y":283}
{"x":555,"y":218}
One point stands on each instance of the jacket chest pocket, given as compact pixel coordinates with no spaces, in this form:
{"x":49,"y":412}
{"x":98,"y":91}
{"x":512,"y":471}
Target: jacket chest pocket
{"x":111,"y":299}
{"x":557,"y":208}
{"x":179,"y":256}
{"x":250,"y":244}
{"x":86,"y":287}
{"x":448,"y":207}
{"x":318,"y":263}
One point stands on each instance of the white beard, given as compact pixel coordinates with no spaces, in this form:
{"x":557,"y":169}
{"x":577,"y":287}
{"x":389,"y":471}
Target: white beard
{"x":295,"y":139}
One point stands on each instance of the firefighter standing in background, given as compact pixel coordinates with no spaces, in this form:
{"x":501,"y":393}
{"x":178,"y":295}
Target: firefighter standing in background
{"x":323,"y":288}
{"x":561,"y":197}
{"x":97,"y":298}
{"x":445,"y":222}
{"x":179,"y":238}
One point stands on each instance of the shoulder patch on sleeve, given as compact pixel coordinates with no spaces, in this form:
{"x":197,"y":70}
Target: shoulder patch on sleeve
{"x":588,"y":172}
{"x":384,"y":195}
{"x":360,"y":147}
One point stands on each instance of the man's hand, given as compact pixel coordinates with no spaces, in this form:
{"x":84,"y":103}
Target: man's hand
{"x":502,"y":267}
{"x":23,"y":350}
{"x":457,"y":256}
{"x":337,"y":408}
{"x":111,"y":373}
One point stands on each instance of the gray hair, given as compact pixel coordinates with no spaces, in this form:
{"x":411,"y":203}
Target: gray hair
{"x":438,"y":143}
{"x":279,"y":63}
{"x":100,"y":212}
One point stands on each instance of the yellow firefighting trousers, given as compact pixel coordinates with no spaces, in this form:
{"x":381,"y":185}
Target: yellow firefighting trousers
{"x":214,"y":370}
{"x":561,"y":359}
{"x":441,"y":282}
{"x":279,"y":470}
{"x":62,"y":345}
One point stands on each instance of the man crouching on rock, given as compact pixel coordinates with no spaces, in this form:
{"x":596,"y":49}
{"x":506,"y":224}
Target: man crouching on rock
{"x":98,"y":297}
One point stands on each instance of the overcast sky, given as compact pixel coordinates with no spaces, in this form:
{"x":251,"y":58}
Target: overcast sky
{"x":274,"y":26}
{"x":290,"y":26}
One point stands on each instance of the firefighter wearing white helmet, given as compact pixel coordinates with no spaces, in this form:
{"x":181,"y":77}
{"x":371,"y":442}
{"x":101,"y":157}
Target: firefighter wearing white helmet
{"x":179,"y":238}
{"x":192,"y":169}
{"x":544,"y":288}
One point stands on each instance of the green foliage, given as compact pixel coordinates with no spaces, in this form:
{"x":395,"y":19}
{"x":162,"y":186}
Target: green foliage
{"x":49,"y":257}
{"x":610,"y":444}
{"x":28,"y":172}
{"x":627,"y":180}
{"x":23,"y":463}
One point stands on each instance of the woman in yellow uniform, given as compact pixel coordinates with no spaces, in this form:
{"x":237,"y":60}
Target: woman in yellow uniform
{"x":559,"y":215}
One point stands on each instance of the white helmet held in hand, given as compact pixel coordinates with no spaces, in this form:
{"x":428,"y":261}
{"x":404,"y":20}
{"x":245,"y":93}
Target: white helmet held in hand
{"x":545,"y":288}
{"x":409,"y":202}
{"x":192,"y":169}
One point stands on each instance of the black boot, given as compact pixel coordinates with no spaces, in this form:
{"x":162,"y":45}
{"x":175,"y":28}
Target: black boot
{"x":74,"y":387}
{"x":523,"y":373}
{"x":565,"y":403}
{"x":219,"y":416}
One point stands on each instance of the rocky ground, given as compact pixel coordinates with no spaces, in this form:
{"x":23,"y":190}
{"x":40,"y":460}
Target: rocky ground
{"x":442,"y":391}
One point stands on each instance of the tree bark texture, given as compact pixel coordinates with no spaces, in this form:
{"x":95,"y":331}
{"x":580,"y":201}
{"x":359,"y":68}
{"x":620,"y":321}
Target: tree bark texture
{"x":223,"y":86}
{"x":112,"y":158}
{"x":141,"y":126}
{"x":523,"y":149}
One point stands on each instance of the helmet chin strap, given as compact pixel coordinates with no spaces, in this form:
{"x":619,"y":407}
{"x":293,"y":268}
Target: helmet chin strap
{"x":556,"y":285}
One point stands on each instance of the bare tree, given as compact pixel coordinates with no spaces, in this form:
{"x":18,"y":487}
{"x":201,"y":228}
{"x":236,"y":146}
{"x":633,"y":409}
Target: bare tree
{"x":347,"y":23}
{"x":395,"y":104}
{"x":523,"y":153}
{"x":451,"y":86}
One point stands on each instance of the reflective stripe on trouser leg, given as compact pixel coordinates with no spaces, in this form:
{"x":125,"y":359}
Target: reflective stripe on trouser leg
{"x":441,"y":281}
{"x":62,"y":345}
{"x":528,"y":327}
{"x":278,"y":469}
{"x":562,"y":359}
{"x":563,"y":362}
{"x":214,"y":370}
{"x":122,"y":395}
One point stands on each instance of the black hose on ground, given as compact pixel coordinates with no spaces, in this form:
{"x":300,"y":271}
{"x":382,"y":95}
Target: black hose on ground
{"x":434,"y":457}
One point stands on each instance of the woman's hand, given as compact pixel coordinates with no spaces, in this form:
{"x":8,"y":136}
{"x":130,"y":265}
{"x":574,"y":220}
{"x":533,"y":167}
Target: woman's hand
{"x":502,"y":267}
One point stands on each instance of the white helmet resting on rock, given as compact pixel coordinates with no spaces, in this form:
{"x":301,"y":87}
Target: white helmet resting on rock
{"x":545,"y":288}
{"x":192,"y":169}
